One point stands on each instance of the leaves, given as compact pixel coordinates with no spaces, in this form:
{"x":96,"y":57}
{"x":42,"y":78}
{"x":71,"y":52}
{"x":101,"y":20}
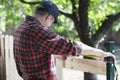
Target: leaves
{"x":12,"y":12}
{"x":99,"y":9}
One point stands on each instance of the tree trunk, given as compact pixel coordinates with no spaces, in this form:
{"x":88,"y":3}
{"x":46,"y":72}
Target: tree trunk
{"x":88,"y":76}
{"x":83,"y":28}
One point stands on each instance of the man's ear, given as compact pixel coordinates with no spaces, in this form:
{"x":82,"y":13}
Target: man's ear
{"x":47,"y":17}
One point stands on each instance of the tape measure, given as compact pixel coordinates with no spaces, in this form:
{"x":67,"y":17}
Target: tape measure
{"x":91,"y":56}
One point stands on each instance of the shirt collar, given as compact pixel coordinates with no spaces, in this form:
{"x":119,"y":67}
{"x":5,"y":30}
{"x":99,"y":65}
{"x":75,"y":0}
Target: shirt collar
{"x":31,"y":19}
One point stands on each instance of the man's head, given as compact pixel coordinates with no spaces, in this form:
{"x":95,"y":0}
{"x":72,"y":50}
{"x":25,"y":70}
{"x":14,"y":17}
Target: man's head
{"x":48,"y":11}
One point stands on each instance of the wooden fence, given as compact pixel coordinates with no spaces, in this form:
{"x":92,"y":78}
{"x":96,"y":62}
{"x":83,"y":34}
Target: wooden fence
{"x":76,"y":63}
{"x":7,"y":65}
{"x":8,"y":68}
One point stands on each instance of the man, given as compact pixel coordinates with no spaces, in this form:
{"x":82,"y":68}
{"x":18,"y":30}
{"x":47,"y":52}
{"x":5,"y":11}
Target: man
{"x":34,"y":44}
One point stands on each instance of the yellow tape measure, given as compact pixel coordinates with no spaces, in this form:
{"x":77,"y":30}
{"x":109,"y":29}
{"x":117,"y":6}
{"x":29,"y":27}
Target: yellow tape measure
{"x":91,"y":56}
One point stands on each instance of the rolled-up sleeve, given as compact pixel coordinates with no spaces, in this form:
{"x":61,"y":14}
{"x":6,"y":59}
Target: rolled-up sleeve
{"x":51,"y":43}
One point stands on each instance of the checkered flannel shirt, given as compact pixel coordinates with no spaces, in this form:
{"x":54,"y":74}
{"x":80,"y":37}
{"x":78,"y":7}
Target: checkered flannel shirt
{"x":33,"y":46}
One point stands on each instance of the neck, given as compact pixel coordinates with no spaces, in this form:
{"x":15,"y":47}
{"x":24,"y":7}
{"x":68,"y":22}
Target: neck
{"x":40,"y":19}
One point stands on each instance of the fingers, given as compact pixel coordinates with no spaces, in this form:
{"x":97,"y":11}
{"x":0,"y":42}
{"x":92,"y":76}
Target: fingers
{"x":108,"y":54}
{"x":62,"y":57}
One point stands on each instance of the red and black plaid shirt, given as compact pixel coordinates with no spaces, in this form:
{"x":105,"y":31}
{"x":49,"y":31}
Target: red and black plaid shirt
{"x":33,"y":46}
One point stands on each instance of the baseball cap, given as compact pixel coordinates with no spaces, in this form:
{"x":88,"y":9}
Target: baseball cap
{"x":51,"y":8}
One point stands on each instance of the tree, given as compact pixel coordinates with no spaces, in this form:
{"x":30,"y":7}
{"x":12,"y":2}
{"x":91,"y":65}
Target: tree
{"x":92,"y":18}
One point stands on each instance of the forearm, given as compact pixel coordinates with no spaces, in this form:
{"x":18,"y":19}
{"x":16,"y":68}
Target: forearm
{"x":87,"y":50}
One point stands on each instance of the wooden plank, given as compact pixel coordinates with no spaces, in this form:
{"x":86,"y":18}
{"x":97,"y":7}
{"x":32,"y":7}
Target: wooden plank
{"x":3,"y":68}
{"x":13,"y":65}
{"x":11,"y":71}
{"x":59,"y":68}
{"x":79,"y":64}
{"x":86,"y":65}
{"x":0,"y":60}
{"x":7,"y":56}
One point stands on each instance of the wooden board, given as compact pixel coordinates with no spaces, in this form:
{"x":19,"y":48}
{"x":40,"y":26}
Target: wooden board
{"x":2,"y":58}
{"x":76,"y":63}
{"x":11,"y":71}
{"x":86,"y":65}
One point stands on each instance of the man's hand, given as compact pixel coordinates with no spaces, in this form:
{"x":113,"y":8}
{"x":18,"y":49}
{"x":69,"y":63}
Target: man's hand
{"x":108,"y":55}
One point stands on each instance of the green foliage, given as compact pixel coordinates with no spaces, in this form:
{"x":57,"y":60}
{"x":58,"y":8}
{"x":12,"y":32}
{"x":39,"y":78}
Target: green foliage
{"x":66,"y":28}
{"x":12,"y":13}
{"x":66,"y":5}
{"x":99,"y":9}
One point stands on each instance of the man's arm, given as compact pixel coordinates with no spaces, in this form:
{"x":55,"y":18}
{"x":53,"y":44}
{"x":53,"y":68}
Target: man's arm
{"x":87,"y":50}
